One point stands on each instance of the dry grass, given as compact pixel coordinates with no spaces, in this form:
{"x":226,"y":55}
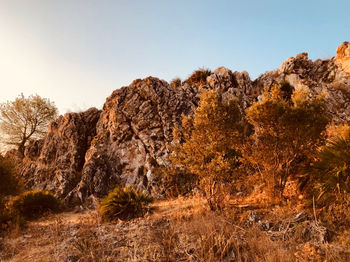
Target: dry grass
{"x":181,"y":229}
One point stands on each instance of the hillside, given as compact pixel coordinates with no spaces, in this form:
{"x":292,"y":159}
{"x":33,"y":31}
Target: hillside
{"x":88,"y":153}
{"x":218,"y":167}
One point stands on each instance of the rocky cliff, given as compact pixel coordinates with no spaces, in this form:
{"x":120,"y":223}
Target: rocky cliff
{"x":56,"y":162}
{"x":90,"y":152}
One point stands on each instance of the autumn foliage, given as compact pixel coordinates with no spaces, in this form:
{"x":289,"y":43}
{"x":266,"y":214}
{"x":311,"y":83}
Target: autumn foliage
{"x":208,"y":143}
{"x":288,"y":128}
{"x":287,"y":131}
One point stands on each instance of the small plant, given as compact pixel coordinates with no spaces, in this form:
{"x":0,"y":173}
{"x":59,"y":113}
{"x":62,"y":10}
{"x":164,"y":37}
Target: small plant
{"x":328,"y":178}
{"x":199,"y":76}
{"x":124,"y":203}
{"x":176,"y":82}
{"x":333,"y":167}
{"x":33,"y":204}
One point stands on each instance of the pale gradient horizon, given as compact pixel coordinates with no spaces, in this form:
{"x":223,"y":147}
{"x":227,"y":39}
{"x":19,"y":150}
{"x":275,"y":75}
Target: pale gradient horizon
{"x":76,"y":53}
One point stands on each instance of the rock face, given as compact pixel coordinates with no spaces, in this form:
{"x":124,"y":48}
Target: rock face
{"x":326,"y":77}
{"x":90,"y":152}
{"x":343,"y":56}
{"x":133,"y":135}
{"x":55,"y":163}
{"x":135,"y":130}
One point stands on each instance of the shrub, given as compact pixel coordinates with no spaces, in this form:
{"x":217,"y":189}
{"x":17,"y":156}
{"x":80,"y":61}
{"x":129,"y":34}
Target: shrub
{"x":5,"y":218}
{"x":33,"y":204}
{"x":329,"y":175}
{"x":287,"y":90}
{"x":207,"y":145}
{"x":199,"y":77}
{"x":176,"y":82}
{"x":173,"y":182}
{"x":124,"y":203}
{"x":9,"y":182}
{"x":286,"y":134}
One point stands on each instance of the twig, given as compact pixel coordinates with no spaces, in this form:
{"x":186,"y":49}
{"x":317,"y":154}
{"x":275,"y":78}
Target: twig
{"x":233,"y":225}
{"x":314,"y":209}
{"x":285,"y":232}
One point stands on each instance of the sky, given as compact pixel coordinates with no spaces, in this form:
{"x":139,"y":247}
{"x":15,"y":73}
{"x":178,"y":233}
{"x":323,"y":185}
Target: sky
{"x":77,"y":52}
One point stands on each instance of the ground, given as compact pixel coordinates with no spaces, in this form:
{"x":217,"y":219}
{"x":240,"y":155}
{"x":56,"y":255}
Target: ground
{"x":181,"y":229}
{"x":69,"y":236}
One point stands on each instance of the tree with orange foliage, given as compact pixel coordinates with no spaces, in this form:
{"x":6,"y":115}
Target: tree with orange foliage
{"x":287,"y":131}
{"x":208,"y":143}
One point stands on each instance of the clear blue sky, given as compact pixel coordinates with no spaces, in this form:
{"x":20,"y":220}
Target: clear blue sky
{"x":76,"y":52}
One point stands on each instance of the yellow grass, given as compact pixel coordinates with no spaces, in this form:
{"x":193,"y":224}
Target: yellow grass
{"x":181,"y":229}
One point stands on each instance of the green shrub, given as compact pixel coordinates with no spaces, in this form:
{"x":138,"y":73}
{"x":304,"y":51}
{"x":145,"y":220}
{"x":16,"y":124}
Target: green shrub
{"x":199,"y":76}
{"x":124,"y":203}
{"x":33,"y":204}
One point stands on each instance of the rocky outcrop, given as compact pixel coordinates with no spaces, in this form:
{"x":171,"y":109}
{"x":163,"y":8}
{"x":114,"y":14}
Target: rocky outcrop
{"x":135,"y":129}
{"x":325,"y":77}
{"x":90,"y":152}
{"x":343,"y":56}
{"x":133,"y":136}
{"x":55,"y":163}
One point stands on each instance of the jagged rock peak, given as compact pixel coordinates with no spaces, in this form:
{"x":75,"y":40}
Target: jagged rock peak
{"x":343,"y":51}
{"x":343,"y":56}
{"x":329,"y":76}
{"x":55,"y":163}
{"x":133,"y":134}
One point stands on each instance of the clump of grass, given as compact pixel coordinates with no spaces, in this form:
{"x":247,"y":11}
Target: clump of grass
{"x":199,"y":77}
{"x":33,"y":204}
{"x":124,"y":203}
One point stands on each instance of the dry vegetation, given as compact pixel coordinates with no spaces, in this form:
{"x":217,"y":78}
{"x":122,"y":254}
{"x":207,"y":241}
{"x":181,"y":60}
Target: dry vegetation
{"x":269,"y":185}
{"x":182,"y":229}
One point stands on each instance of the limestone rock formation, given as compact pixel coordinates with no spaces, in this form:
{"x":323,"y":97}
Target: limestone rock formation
{"x":55,"y":163}
{"x":326,"y":77}
{"x":343,"y":56}
{"x":89,"y":153}
{"x":135,"y":130}
{"x":133,"y":135}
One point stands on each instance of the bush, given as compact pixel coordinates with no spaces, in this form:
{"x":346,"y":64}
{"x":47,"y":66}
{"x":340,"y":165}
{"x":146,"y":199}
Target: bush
{"x":9,"y":183}
{"x":199,"y":76}
{"x":5,"y":218}
{"x":176,"y":82}
{"x":33,"y":204}
{"x":173,"y":182}
{"x":207,"y":145}
{"x":124,"y":203}
{"x":286,"y":134}
{"x":329,"y":176}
